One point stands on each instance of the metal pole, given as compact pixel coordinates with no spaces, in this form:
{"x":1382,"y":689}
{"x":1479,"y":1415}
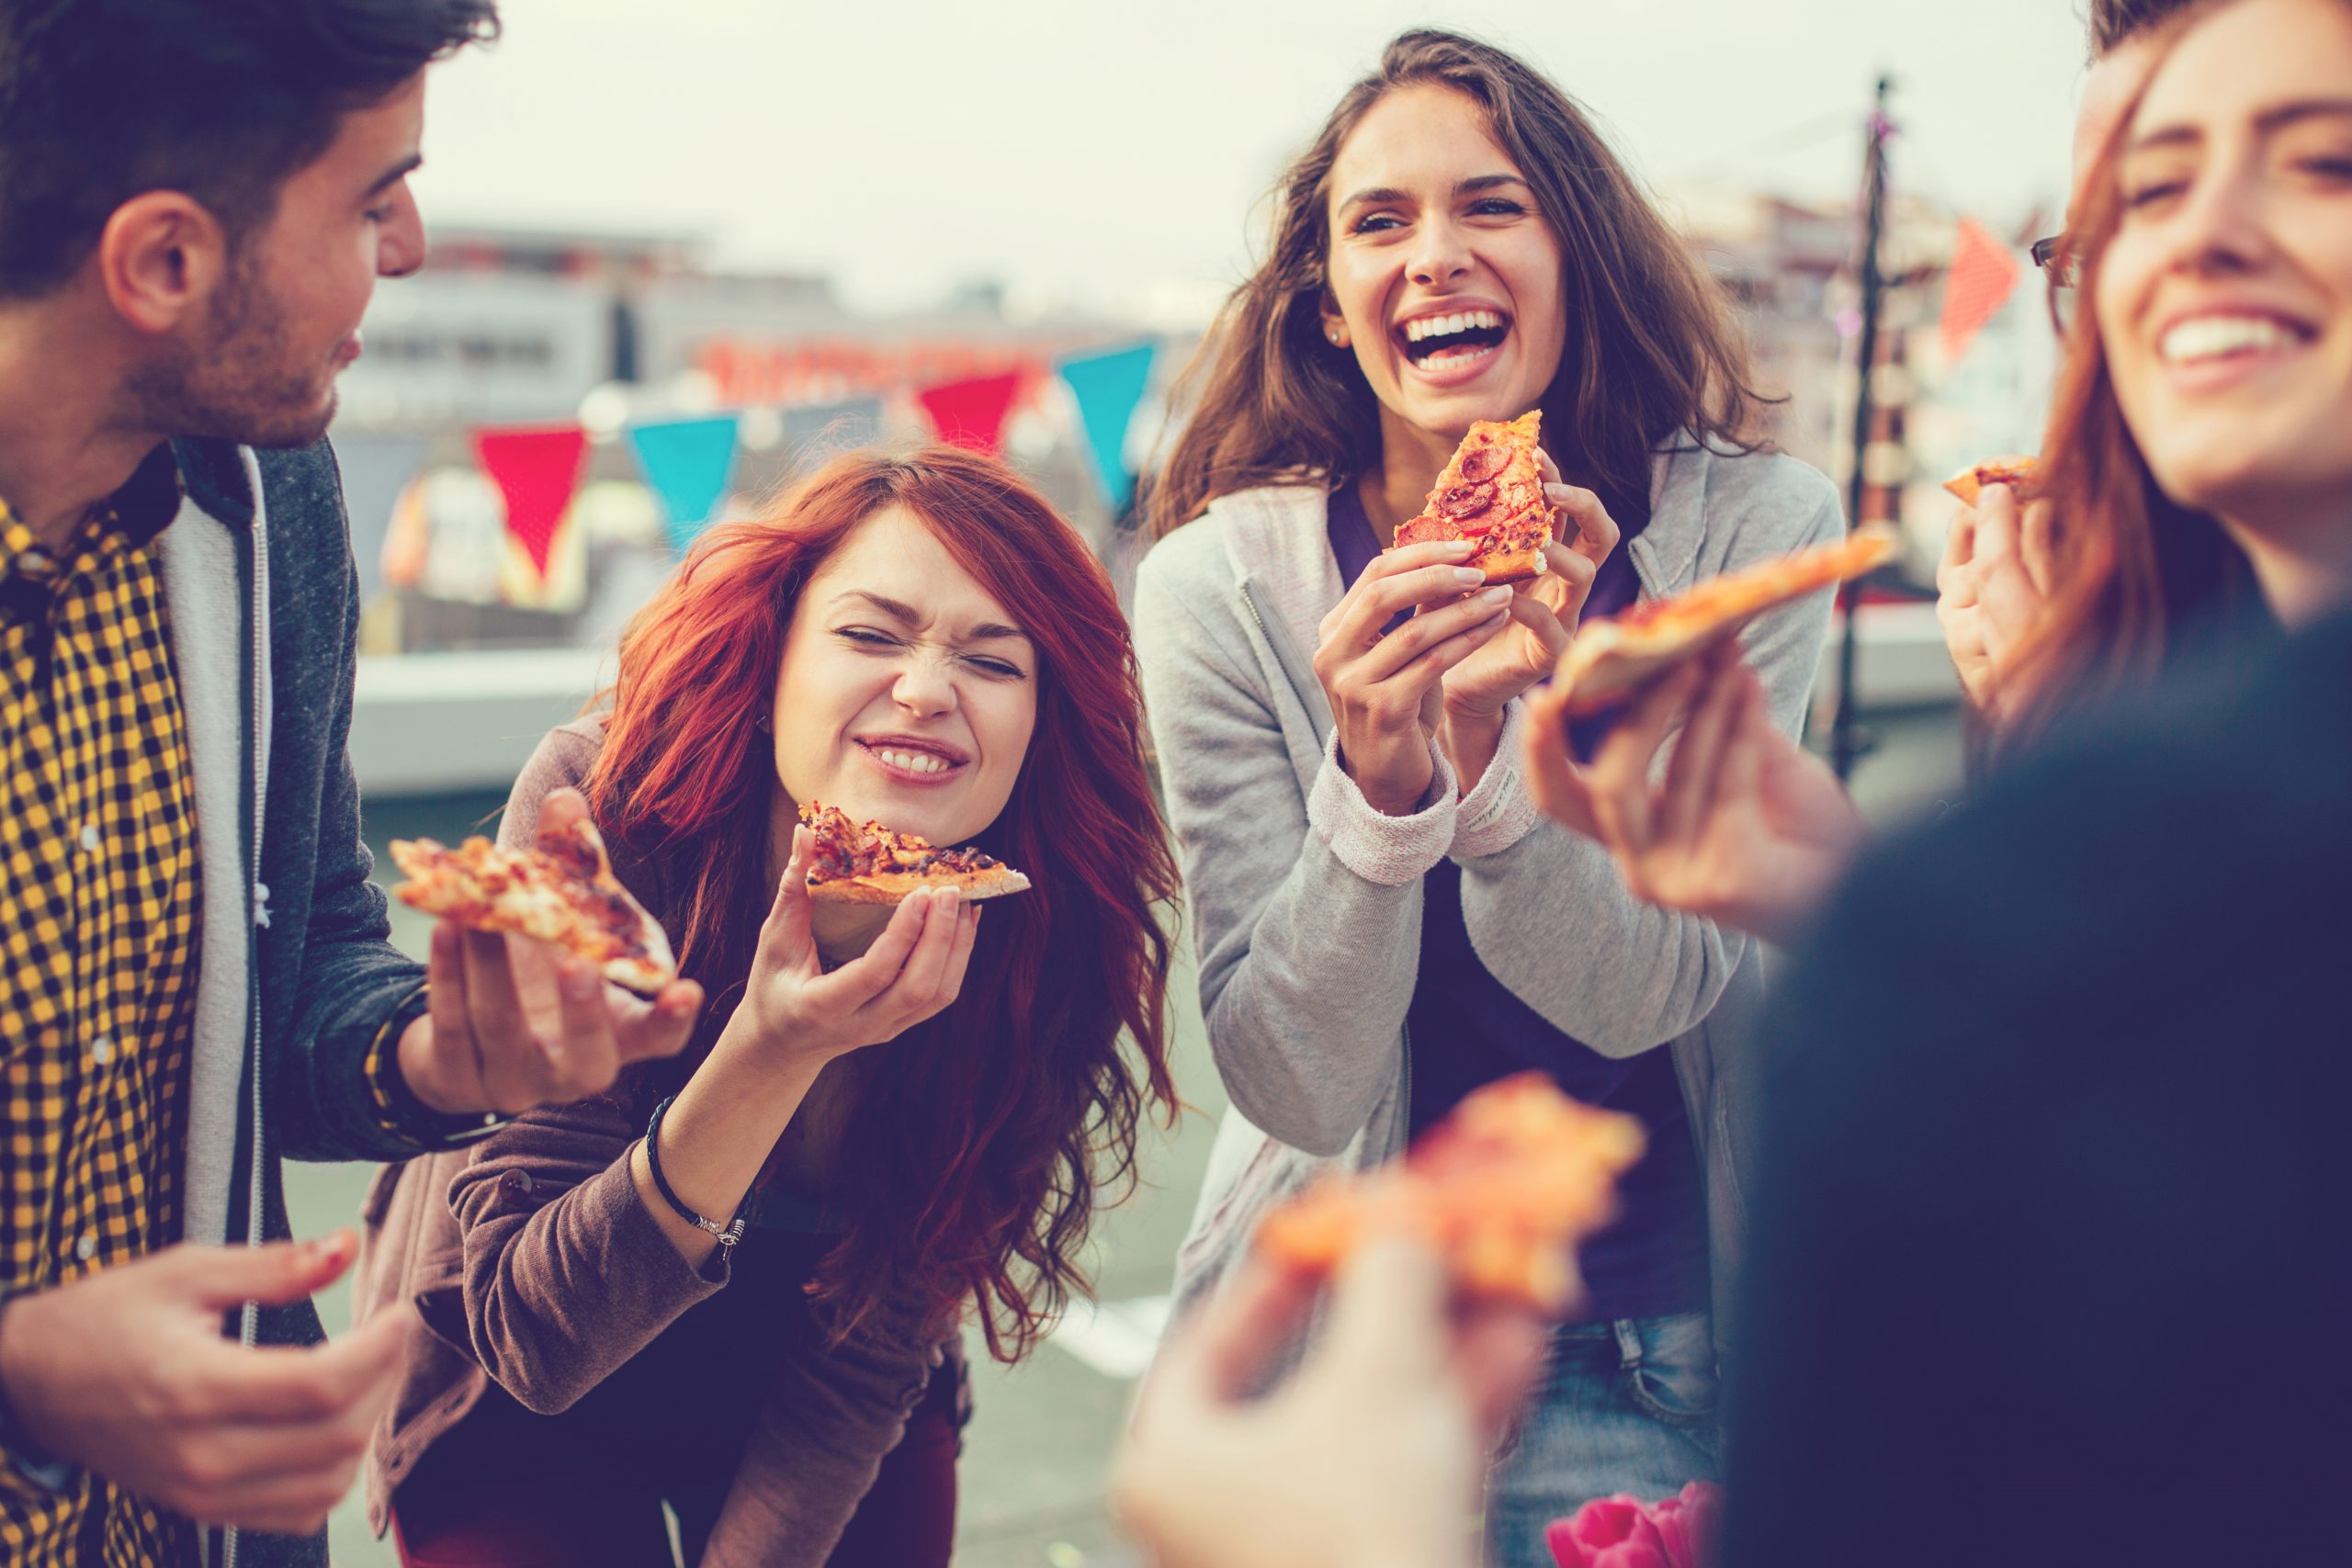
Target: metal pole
{"x":1846,"y":740}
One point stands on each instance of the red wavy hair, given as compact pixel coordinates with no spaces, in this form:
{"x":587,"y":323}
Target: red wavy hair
{"x":979,"y":1143}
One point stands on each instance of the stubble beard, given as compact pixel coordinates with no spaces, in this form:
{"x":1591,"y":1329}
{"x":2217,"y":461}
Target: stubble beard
{"x":240,"y":383}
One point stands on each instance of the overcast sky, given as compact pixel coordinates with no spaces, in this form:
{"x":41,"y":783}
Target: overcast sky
{"x":1106,"y":152}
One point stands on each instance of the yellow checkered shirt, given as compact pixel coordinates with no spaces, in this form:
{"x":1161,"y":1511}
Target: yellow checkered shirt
{"x":97,"y":958}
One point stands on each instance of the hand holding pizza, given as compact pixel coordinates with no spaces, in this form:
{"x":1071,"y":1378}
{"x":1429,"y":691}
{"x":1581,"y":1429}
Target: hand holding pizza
{"x":1745,"y":827}
{"x":1992,"y":585}
{"x":516,"y":1022}
{"x":1385,"y":686}
{"x":799,"y":1014}
{"x":1544,"y":610}
{"x":1369,"y":1454}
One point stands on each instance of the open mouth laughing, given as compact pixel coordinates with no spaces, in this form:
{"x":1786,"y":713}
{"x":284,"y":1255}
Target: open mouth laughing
{"x":1452,"y":339}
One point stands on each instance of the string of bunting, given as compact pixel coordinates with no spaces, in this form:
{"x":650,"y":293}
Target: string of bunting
{"x":690,"y":464}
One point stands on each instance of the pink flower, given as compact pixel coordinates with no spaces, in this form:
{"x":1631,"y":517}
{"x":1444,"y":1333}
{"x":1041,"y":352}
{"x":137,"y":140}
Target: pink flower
{"x":1621,"y":1532}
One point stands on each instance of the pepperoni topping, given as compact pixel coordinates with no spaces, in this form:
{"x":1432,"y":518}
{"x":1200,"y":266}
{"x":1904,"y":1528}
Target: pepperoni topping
{"x":1483,"y":464}
{"x":1459,"y":501}
{"x":1423,"y":530}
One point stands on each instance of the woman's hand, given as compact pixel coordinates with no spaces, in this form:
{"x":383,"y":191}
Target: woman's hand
{"x":1745,"y":829}
{"x":1544,"y":610}
{"x":1993,"y":586}
{"x":1368,"y":1458}
{"x":798,"y":1013}
{"x":1384,"y":686}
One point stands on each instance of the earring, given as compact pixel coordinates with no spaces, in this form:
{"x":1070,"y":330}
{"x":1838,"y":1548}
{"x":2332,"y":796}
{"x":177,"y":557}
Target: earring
{"x":1339,"y":339}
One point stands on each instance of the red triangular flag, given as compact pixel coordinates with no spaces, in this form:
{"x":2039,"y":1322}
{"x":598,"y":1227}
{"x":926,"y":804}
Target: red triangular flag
{"x":538,"y":471}
{"x":971,"y":413}
{"x":1983,"y":277}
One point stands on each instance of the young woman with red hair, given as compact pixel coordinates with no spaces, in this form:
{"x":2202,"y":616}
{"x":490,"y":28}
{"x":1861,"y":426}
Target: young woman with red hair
{"x":908,"y":1112}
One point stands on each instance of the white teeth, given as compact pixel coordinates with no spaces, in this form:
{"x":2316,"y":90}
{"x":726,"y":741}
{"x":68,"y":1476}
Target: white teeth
{"x":1445,"y":326}
{"x":2213,"y":337}
{"x":912,"y":761}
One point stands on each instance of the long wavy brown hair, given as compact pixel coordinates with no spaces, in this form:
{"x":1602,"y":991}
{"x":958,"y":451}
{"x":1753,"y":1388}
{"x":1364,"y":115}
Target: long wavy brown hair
{"x":982,"y":1140}
{"x":1652,"y":349}
{"x":2139,"y":580}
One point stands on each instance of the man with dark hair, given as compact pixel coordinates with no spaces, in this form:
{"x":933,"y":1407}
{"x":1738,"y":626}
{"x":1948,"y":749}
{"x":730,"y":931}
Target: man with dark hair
{"x":196,"y":197}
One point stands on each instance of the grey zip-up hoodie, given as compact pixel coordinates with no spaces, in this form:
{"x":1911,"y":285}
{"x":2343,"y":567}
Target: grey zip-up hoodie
{"x":1307,"y":902}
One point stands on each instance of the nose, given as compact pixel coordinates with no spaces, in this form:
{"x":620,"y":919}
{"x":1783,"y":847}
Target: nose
{"x":2220,"y":229}
{"x":924,"y":688}
{"x":399,"y":244}
{"x":1441,"y":254}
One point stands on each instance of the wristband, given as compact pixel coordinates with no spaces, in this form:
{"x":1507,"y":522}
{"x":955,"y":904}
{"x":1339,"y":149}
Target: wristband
{"x":729,"y":1234}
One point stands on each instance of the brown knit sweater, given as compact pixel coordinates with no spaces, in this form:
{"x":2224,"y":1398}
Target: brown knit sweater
{"x":493,"y":1243}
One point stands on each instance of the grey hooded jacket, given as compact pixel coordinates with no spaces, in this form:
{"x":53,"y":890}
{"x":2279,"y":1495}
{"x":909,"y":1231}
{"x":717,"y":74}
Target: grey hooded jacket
{"x":1305,"y":902}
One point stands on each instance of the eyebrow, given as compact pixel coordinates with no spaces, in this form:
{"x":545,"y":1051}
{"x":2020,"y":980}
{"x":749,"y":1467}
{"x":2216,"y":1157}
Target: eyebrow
{"x":2267,"y":122}
{"x":905,"y":615}
{"x":396,"y":173}
{"x":1470,"y":186}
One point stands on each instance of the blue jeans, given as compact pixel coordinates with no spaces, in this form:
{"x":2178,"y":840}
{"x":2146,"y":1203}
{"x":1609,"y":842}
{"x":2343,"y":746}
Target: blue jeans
{"x":1624,"y":1406}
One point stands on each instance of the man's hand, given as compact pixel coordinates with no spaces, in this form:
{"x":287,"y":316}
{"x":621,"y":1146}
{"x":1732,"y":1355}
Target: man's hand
{"x":125,"y":1372}
{"x":1369,"y":1457}
{"x":515,"y":1023}
{"x":1993,"y":586}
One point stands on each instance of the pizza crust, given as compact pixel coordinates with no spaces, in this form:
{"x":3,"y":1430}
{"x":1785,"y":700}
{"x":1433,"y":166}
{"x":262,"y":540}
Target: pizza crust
{"x":1612,"y":660}
{"x":892,"y":888}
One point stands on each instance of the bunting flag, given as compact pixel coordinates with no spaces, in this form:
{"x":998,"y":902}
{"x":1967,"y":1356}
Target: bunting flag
{"x":814,"y":432}
{"x":1109,"y":388}
{"x":688,"y":463}
{"x":377,"y":470}
{"x":971,"y":413}
{"x":1983,"y":277}
{"x":536,"y":471}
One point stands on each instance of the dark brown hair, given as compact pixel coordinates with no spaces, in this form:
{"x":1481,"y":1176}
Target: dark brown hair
{"x":1652,"y":351}
{"x":2118,"y":22}
{"x":982,"y":1139}
{"x":225,"y":99}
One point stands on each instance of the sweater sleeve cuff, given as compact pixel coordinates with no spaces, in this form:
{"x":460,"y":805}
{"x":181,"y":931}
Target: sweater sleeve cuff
{"x":1387,"y":852}
{"x":1499,"y":812}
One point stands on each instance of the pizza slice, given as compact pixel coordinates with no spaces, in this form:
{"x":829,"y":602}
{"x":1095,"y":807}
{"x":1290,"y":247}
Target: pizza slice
{"x":1504,"y":1187}
{"x":1610,"y":660}
{"x":867,"y":864}
{"x":561,"y":891}
{"x":1492,"y":491}
{"x":2022,"y":473}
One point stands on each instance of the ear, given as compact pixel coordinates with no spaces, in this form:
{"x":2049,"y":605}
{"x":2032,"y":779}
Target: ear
{"x":1335,"y":326}
{"x":160,"y":257}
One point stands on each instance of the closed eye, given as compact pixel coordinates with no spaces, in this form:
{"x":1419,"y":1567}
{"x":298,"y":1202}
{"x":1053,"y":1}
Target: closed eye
{"x":867,"y":636}
{"x":996,"y":667}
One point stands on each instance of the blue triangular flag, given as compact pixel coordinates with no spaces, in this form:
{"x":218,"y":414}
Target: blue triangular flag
{"x":688,"y":462}
{"x":1109,"y":388}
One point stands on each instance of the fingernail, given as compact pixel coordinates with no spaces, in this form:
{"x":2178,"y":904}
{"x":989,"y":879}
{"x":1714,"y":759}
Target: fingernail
{"x":1470,"y":576}
{"x":1496,"y":595}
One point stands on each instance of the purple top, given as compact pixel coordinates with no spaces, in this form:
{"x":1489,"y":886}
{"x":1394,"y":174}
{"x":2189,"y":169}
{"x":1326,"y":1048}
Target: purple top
{"x":1468,"y":1028}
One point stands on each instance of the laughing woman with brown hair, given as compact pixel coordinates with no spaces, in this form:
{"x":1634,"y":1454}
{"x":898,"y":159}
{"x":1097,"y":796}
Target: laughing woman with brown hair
{"x":1384,"y":923}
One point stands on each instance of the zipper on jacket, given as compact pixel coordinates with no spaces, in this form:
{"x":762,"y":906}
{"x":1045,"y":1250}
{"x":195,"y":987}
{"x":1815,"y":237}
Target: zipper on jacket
{"x":257,"y":622}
